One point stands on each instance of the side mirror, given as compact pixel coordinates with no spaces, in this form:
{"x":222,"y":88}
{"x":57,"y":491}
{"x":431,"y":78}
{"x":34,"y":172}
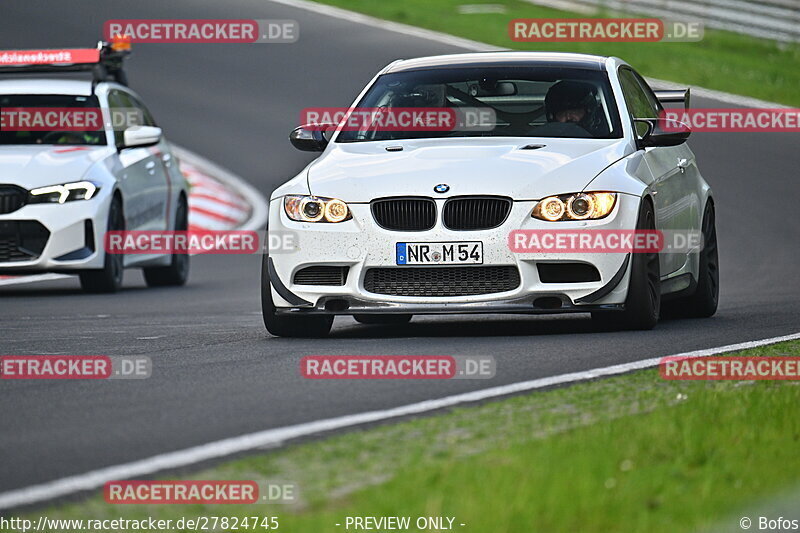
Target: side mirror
{"x":310,"y":137}
{"x":661,"y":132}
{"x":141,"y":136}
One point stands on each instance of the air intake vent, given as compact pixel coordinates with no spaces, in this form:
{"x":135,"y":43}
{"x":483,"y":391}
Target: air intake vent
{"x":476,"y":213}
{"x":321,"y":275}
{"x":441,"y":281}
{"x":12,"y":198}
{"x":22,"y":240}
{"x":405,"y":214}
{"x":567,"y":272}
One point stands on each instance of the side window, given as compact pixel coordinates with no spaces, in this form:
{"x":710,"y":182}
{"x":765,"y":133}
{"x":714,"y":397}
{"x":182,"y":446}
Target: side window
{"x":651,"y":96}
{"x":147,"y":116}
{"x":636,"y":99}
{"x":118,"y":101}
{"x":122,"y":101}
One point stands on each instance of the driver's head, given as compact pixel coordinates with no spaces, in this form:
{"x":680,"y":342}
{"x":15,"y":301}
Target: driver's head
{"x":569,"y":101}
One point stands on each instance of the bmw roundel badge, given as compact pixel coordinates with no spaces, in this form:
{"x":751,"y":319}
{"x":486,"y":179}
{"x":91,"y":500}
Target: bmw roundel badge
{"x":442,"y":188}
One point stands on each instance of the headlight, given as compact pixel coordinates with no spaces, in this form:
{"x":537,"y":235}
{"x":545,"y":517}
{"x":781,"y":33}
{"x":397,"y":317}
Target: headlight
{"x":578,"y":206}
{"x":58,"y":194}
{"x":316,"y":209}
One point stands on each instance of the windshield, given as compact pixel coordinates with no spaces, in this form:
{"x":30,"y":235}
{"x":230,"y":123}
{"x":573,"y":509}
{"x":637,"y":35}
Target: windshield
{"x":518,"y":101}
{"x":25,"y":119}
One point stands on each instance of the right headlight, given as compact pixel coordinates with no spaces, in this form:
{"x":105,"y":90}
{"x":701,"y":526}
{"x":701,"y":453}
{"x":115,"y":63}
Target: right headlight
{"x":577,"y":206}
{"x":316,"y":209}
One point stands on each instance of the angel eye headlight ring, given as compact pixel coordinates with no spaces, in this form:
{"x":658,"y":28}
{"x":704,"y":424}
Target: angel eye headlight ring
{"x":304,"y":208}
{"x":580,"y":206}
{"x":575,"y":206}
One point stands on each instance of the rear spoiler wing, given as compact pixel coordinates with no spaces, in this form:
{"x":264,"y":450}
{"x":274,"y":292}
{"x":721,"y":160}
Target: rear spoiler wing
{"x":674,"y":96}
{"x":104,"y":61}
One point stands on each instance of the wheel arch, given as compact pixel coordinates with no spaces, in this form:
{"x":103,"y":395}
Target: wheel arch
{"x":117,"y":195}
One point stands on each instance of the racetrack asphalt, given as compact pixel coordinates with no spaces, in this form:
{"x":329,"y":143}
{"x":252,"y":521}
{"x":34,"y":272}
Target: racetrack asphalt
{"x":216,"y":371}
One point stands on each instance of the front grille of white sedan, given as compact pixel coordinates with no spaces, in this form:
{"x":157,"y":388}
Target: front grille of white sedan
{"x":461,"y":213}
{"x":405,"y":214}
{"x":475,"y":212}
{"x":11,"y":198}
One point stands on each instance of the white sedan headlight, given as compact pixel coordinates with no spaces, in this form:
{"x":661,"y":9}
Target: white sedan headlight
{"x":577,"y":206}
{"x":58,"y":194}
{"x":316,"y":209}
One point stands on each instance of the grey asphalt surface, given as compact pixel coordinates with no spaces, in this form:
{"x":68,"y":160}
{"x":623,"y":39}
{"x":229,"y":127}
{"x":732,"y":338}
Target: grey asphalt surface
{"x":216,"y":371}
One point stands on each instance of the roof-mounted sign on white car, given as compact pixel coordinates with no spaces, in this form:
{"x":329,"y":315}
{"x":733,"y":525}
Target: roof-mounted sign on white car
{"x":104,"y":61}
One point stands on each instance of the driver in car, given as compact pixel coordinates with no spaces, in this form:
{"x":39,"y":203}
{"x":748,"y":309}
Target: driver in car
{"x":575,"y":102}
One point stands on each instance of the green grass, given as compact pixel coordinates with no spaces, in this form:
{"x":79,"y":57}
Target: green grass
{"x":630,"y":453}
{"x":722,"y":60}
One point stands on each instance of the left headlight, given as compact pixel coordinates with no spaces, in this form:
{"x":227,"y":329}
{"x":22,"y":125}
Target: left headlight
{"x":578,"y":206}
{"x":316,"y":209}
{"x":58,"y":194}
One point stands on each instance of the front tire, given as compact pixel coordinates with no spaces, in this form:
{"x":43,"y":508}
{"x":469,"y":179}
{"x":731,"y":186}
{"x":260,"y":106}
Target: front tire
{"x":703,"y":302}
{"x":288,"y":325}
{"x":109,"y":278}
{"x":177,"y":273}
{"x":643,"y":302}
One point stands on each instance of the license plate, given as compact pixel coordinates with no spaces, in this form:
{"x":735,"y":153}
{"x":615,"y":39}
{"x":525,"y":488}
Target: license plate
{"x":440,"y":253}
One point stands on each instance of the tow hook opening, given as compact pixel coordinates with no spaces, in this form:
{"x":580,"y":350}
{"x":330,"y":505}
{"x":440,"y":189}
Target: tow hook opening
{"x":548,"y":302}
{"x":337,"y":305}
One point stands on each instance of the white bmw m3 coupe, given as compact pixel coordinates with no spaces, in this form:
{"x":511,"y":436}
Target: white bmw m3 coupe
{"x":392,"y":222}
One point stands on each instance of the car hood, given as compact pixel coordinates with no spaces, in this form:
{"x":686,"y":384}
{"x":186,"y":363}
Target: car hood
{"x":42,"y":165}
{"x":524,"y":169}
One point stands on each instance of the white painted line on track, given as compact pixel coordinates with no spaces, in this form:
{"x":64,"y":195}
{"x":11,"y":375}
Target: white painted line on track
{"x":275,"y":437}
{"x":478,"y":46}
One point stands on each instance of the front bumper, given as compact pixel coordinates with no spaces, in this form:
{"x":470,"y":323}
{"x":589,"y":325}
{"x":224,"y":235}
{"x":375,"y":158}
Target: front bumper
{"x":72,"y":232}
{"x":360,"y":244}
{"x":525,"y":305}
